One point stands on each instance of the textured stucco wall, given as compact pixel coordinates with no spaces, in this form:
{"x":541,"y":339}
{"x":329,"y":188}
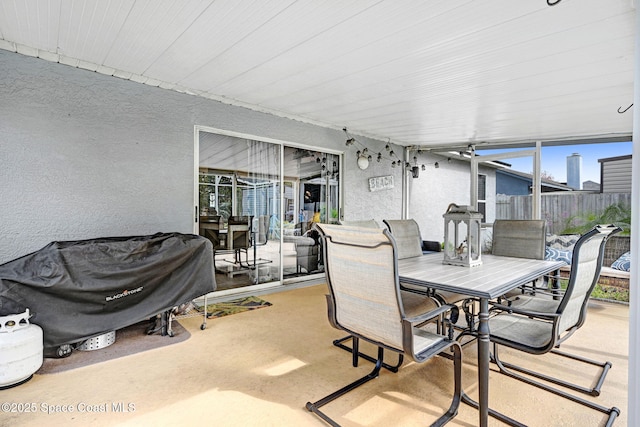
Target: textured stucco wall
{"x":85,"y":155}
{"x":433,"y":191}
{"x":362,"y":204}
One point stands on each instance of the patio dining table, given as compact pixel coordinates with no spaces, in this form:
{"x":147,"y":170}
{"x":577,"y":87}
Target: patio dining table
{"x":493,"y":278}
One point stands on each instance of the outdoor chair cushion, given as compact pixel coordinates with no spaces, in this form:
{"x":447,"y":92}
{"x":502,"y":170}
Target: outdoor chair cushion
{"x":553,"y":254}
{"x":564,"y":242}
{"x":623,"y":263}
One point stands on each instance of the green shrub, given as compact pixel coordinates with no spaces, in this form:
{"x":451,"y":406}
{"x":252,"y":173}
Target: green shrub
{"x":608,"y":293}
{"x":618,"y":214}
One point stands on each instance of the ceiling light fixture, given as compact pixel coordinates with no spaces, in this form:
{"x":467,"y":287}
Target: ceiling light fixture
{"x":363,"y":162}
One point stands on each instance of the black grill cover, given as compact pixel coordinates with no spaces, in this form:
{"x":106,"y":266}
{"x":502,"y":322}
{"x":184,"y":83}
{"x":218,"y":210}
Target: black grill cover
{"x":76,"y":290}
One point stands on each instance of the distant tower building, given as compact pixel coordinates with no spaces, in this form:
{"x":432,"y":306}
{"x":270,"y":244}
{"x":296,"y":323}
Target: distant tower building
{"x":574,"y":165}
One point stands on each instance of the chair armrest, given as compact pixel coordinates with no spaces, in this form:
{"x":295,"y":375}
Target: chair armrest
{"x":431,"y":314}
{"x":510,"y":309}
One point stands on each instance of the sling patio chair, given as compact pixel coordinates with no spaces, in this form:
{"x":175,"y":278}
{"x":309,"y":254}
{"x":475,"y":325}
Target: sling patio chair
{"x":539,"y":323}
{"x":406,"y":233}
{"x":365,"y":300}
{"x":521,"y":238}
{"x":340,"y":342}
{"x":370,"y":223}
{"x":404,"y":249}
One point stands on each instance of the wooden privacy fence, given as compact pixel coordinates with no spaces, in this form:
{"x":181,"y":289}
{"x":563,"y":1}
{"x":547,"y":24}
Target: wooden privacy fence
{"x":557,"y":208}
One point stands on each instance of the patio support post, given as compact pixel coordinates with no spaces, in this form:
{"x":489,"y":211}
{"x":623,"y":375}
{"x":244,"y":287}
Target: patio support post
{"x":405,"y":183}
{"x":536,"y":182}
{"x":474,"y":181}
{"x":536,"y":191}
{"x":633,"y":418}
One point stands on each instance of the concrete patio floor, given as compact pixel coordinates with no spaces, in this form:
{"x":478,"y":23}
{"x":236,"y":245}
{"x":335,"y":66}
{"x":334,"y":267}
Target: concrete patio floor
{"x":259,"y":368}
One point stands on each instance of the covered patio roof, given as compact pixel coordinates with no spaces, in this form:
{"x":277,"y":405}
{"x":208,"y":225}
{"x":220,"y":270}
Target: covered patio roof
{"x":438,"y":73}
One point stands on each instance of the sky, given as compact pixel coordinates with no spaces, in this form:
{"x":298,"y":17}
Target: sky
{"x":554,"y":159}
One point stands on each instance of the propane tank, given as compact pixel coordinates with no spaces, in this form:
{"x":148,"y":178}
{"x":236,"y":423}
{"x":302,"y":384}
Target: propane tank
{"x":21,"y":349}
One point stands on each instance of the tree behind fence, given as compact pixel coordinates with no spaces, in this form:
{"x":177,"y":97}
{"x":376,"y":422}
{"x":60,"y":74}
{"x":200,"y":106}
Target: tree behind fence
{"x":557,"y":208}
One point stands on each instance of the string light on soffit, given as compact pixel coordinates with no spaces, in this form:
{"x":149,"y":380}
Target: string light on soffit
{"x":364,"y":157}
{"x":415,"y":169}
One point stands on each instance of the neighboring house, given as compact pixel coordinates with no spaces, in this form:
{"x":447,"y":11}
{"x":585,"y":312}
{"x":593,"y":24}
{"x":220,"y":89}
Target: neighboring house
{"x":591,"y":186}
{"x":615,"y":174}
{"x":513,"y":183}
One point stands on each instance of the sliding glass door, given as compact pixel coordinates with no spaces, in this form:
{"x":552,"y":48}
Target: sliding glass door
{"x":258,"y":201}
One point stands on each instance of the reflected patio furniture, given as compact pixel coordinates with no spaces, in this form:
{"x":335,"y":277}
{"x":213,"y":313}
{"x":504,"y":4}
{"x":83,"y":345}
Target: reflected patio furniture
{"x":239,"y":236}
{"x":212,"y":228}
{"x":538,"y":324}
{"x":211,"y":222}
{"x":307,"y":252}
{"x":235,"y":239}
{"x":366,"y":301}
{"x":261,"y":234}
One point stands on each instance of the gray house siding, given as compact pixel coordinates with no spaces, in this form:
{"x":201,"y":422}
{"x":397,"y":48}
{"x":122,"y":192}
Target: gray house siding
{"x":615,"y":174}
{"x":512,"y":185}
{"x":85,"y":155}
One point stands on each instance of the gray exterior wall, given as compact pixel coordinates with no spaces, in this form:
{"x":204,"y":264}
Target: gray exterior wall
{"x":615,"y":174}
{"x":512,"y":185}
{"x":85,"y":155}
{"x":433,"y":191}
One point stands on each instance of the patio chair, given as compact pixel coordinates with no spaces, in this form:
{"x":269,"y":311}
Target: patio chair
{"x":521,"y":239}
{"x":406,"y":233}
{"x":354,"y":349}
{"x":538,"y":324}
{"x":261,"y":235}
{"x":239,"y":237}
{"x":210,"y":227}
{"x":366,"y":301}
{"x":370,"y":223}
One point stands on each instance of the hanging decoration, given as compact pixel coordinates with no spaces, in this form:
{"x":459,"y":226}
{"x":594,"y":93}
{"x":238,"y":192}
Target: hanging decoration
{"x":415,"y":169}
{"x":364,"y":156}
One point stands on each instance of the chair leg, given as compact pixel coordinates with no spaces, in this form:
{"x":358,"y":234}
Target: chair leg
{"x":355,"y":352}
{"x":457,"y":384}
{"x":592,"y":391}
{"x":315,"y":406}
{"x":470,"y":314}
{"x":612,"y":413}
{"x":451,"y":412}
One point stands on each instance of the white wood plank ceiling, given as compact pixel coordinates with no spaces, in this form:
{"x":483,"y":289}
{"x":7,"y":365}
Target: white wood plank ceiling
{"x":415,"y":72}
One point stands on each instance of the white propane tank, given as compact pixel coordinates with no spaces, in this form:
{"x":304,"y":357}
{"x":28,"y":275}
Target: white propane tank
{"x":21,"y":349}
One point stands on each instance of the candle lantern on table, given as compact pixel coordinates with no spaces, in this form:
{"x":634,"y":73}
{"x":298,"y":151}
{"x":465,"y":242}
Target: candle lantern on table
{"x":462,"y":231}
